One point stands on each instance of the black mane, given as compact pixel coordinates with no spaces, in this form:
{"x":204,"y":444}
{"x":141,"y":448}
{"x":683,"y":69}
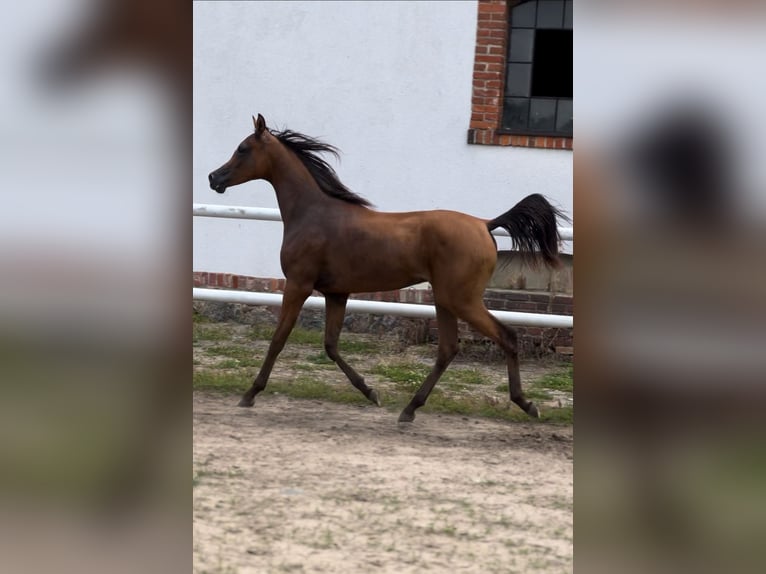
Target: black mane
{"x":306,"y":149}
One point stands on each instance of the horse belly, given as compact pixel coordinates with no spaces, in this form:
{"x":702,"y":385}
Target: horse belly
{"x":376,"y":272}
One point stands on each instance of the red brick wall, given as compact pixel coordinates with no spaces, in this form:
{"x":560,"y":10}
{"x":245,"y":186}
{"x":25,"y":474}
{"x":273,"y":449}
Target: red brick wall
{"x":489,"y":82}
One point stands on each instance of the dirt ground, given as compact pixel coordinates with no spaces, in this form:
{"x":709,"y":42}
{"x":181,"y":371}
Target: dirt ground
{"x":306,"y":486}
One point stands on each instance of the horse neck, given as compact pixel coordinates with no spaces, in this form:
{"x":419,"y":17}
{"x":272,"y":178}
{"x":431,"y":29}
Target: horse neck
{"x":297,"y":191}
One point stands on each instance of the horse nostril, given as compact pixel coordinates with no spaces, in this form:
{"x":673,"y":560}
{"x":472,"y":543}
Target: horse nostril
{"x":210,"y":177}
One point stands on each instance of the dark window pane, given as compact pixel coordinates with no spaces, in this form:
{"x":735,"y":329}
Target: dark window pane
{"x":518,"y":79}
{"x":553,"y":64}
{"x":515,"y":113}
{"x":564,"y":117}
{"x":550,"y":14}
{"x":522,"y":45}
{"x":542,"y":115}
{"x":523,"y":15}
{"x":568,"y":15}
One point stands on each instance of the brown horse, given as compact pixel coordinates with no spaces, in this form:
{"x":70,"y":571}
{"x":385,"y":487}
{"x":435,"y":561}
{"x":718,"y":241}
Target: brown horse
{"x":335,"y":244}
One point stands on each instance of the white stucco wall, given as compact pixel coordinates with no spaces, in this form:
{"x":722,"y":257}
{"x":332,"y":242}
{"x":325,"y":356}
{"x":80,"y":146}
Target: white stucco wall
{"x":387,"y":83}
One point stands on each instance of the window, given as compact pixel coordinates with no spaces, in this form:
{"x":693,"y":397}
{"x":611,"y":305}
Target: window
{"x":538,"y":86}
{"x":522,"y":74}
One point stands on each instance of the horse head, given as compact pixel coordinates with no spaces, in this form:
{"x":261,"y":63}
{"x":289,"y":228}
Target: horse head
{"x":251,"y":160}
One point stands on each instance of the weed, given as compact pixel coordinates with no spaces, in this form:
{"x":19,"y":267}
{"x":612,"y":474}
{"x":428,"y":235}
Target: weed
{"x":536,"y":394}
{"x":199,"y":317}
{"x":209,"y":332}
{"x":237,"y":356}
{"x":227,"y":364}
{"x":220,"y":382}
{"x":465,"y":376}
{"x":562,"y":381}
{"x":356,"y":347}
{"x":231,"y":351}
{"x":260,"y":333}
{"x":304,"y":387}
{"x":449,"y":530}
{"x":298,"y":336}
{"x":320,"y":359}
{"x":408,"y":375}
{"x":327,"y":540}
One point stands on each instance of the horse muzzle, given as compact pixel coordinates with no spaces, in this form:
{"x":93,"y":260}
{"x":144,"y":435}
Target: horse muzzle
{"x":218,"y":181}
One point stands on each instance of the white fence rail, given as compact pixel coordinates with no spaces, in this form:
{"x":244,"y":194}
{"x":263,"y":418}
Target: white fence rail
{"x":269,"y":214}
{"x":354,"y":305}
{"x":376,"y":307}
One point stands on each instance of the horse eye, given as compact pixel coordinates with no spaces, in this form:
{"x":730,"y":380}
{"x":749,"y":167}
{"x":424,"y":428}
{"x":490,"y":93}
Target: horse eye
{"x":241,"y":149}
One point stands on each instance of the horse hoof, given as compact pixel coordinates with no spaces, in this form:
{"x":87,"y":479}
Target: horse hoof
{"x":406,"y":417}
{"x":532,"y":411}
{"x":374,"y":397}
{"x":246,"y":402}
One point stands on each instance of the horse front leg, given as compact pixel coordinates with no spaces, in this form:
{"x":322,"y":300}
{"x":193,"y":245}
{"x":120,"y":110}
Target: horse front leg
{"x":335,"y":309}
{"x":292,"y":301}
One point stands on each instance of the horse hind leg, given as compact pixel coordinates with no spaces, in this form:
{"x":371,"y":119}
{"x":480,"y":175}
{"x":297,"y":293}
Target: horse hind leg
{"x":292,"y":302}
{"x":335,"y":309}
{"x":477,"y":315}
{"x":448,"y":348}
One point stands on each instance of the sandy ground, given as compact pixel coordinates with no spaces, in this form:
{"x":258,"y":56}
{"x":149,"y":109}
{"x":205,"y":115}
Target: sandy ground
{"x":308,"y":486}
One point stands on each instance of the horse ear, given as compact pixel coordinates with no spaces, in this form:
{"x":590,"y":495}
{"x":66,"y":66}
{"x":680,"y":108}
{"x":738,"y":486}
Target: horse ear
{"x":259,"y":124}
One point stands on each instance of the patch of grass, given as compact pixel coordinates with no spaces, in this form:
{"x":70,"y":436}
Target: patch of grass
{"x":306,"y":337}
{"x":238,"y":357}
{"x":407,"y":375}
{"x":227,"y":364}
{"x":562,"y":381}
{"x":465,"y":376}
{"x":305,"y":387}
{"x":449,"y":530}
{"x":199,"y":318}
{"x":302,"y":367}
{"x":229,"y":376}
{"x":356,"y":347}
{"x":320,"y":359}
{"x":301,"y":336}
{"x":326,"y":540}
{"x":454,"y":387}
{"x":260,"y":333}
{"x":439,"y":402}
{"x":535,"y":394}
{"x":298,"y":336}
{"x":205,"y":380}
{"x":559,"y":415}
{"x":234,"y":352}
{"x":209,"y":332}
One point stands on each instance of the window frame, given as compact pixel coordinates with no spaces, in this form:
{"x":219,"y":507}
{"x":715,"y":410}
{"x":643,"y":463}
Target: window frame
{"x":489,"y":84}
{"x":527,"y":130}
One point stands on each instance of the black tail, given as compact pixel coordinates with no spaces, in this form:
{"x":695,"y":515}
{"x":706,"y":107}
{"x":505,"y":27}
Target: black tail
{"x":532,"y":226}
